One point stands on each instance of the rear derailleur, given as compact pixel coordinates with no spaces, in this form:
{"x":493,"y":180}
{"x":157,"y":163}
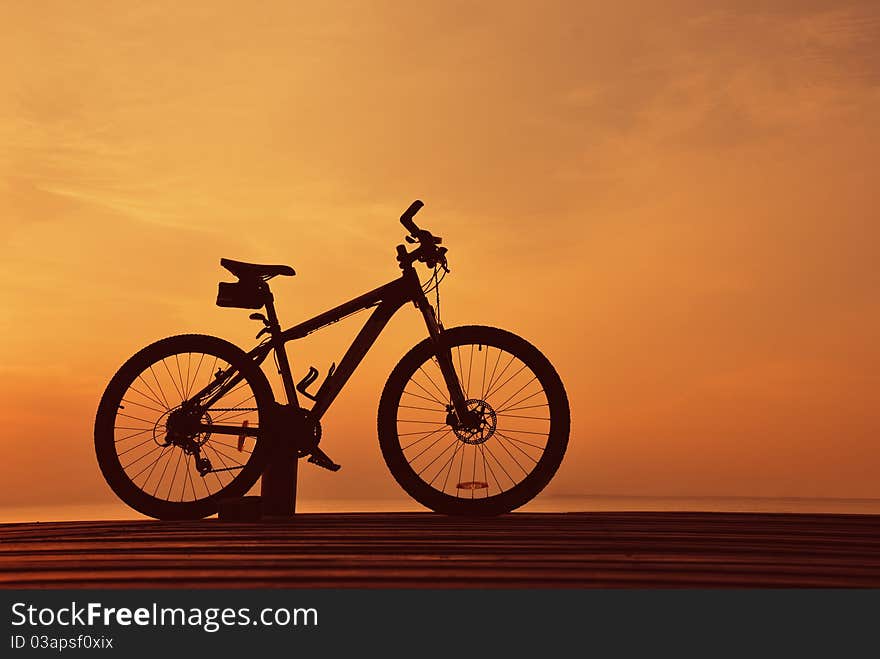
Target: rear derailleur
{"x":182,"y":429}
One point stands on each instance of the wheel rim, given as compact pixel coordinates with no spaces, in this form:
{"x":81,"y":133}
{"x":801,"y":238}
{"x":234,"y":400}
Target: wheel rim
{"x":496,"y":454}
{"x":167,"y":470}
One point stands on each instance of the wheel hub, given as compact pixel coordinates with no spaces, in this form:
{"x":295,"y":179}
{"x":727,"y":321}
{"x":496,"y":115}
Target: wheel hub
{"x":181,"y":427}
{"x":481,"y":424}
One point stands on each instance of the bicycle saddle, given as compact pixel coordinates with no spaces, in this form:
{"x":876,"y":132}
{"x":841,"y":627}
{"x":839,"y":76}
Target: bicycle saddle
{"x":246,"y":270}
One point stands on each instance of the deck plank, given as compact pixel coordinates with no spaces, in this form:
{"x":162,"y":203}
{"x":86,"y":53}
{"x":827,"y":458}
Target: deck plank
{"x":415,"y":550}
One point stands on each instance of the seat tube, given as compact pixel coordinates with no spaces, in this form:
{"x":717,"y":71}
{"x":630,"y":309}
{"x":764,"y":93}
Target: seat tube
{"x":281,"y":352}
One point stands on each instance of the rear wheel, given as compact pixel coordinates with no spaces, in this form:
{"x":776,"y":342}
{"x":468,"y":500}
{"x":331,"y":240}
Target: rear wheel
{"x":504,"y":458}
{"x":182,"y":478}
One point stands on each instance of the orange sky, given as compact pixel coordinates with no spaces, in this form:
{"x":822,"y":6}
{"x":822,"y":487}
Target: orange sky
{"x":674,"y":203}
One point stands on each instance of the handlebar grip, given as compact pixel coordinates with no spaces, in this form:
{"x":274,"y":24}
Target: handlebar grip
{"x":407,"y":218}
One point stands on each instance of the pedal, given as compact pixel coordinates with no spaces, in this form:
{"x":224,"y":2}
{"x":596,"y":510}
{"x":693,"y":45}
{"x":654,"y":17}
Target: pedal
{"x":318,"y":457}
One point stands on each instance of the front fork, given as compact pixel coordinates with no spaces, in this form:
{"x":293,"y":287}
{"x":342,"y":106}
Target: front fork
{"x":444,"y":358}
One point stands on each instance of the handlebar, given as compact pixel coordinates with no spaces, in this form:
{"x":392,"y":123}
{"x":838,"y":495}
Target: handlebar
{"x":428,"y":251}
{"x":407,"y":218}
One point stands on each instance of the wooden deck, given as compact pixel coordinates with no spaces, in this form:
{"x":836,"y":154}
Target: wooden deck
{"x":416,"y":550}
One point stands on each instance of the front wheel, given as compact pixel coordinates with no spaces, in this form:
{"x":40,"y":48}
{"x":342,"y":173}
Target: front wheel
{"x":490,"y":468}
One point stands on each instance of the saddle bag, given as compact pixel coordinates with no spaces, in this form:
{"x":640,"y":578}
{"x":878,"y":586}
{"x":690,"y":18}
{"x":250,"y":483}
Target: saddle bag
{"x":241,"y":294}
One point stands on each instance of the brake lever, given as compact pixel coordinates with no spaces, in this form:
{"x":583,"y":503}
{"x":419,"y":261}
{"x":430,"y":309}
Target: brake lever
{"x":442,"y":260}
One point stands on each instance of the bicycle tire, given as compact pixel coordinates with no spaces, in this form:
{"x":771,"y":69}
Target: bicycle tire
{"x":505,"y":501}
{"x":106,"y":450}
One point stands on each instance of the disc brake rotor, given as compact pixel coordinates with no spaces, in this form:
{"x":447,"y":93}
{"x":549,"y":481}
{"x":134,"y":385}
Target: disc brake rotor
{"x":483,"y":425}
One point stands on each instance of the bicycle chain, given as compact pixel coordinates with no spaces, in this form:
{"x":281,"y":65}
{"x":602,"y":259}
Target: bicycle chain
{"x":235,"y":409}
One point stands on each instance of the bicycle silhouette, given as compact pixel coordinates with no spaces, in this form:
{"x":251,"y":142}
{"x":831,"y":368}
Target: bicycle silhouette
{"x":473,"y":420}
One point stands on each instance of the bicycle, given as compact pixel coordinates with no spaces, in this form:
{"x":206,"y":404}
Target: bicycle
{"x":473,"y":420}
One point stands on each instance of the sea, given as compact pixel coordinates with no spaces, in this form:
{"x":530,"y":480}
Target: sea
{"x":548,"y":504}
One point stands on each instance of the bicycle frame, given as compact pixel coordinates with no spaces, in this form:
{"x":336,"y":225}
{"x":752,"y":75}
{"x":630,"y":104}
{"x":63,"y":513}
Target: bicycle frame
{"x":387,"y":299}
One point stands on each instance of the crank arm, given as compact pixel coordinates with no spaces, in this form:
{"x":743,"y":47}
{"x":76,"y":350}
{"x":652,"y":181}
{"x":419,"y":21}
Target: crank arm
{"x":214,"y":471}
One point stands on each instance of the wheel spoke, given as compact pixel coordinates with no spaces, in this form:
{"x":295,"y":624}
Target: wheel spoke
{"x":500,"y":464}
{"x":492,"y":376}
{"x":493,"y":380}
{"x":433,"y":423}
{"x":136,"y":418}
{"x":520,"y":416}
{"x":426,"y":436}
{"x":171,"y":377}
{"x":217,"y":442}
{"x":427,"y":409}
{"x":409,"y":393}
{"x":449,"y":470}
{"x":434,"y":443}
{"x":155,"y":398}
{"x":235,"y":462}
{"x":491,"y":471}
{"x":430,"y":395}
{"x":222,"y":461}
{"x":174,"y":475}
{"x":442,"y":393}
{"x":516,"y":393}
{"x":517,"y":447}
{"x":528,"y":432}
{"x":520,"y":441}
{"x":122,"y":439}
{"x":146,"y":407}
{"x":136,"y":460}
{"x":186,"y":381}
{"x":470,"y":368}
{"x":474,"y":472}
{"x":501,"y":386}
{"x":493,"y":467}
{"x":212,"y":371}
{"x":159,"y":387}
{"x":485,"y":363}
{"x":513,"y":405}
{"x":518,"y":464}
{"x":128,"y":450}
{"x":232,"y":391}
{"x":164,"y":469}
{"x":154,"y":469}
{"x":460,"y":373}
{"x":438,"y":456}
{"x":460,"y":468}
{"x":419,"y":432}
{"x":524,"y":407}
{"x":236,"y":416}
{"x":195,"y":376}
{"x":180,"y":375}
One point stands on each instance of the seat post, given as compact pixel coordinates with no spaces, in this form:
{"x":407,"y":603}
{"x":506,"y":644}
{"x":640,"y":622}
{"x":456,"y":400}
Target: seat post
{"x":278,"y":487}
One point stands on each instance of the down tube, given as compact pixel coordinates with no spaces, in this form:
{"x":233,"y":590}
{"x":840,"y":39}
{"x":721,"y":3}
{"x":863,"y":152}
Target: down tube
{"x":353,"y":356}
